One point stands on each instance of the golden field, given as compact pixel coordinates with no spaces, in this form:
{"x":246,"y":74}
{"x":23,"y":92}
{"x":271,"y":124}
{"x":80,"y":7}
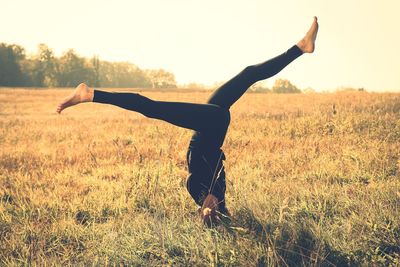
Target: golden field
{"x":308,"y":183}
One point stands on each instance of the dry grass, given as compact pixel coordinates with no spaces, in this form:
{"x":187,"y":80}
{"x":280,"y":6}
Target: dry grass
{"x":99,"y":185}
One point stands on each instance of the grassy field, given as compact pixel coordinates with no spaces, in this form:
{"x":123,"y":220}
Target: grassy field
{"x":308,"y":184}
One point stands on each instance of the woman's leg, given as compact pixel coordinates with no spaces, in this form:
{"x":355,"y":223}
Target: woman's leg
{"x":204,"y":118}
{"x":231,"y":91}
{"x":197,"y":117}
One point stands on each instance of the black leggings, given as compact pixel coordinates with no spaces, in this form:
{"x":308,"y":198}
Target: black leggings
{"x":209,"y":121}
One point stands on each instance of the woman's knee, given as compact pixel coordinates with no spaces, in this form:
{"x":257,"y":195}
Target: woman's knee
{"x":249,"y":69}
{"x":150,"y":109}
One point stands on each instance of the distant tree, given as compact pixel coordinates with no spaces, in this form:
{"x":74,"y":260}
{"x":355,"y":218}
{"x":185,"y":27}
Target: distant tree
{"x":106,"y":74}
{"x":161,"y":79}
{"x":308,"y":90}
{"x":10,"y":69}
{"x":72,"y":70}
{"x":193,"y":85}
{"x":28,"y":68}
{"x":122,"y":74}
{"x":48,"y":66}
{"x":96,"y":71}
{"x":350,"y":89}
{"x":41,"y":69}
{"x":259,"y":87}
{"x":283,"y":86}
{"x":129,"y":75}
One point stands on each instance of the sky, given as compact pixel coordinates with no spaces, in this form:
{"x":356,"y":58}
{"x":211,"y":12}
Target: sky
{"x":210,"y":41}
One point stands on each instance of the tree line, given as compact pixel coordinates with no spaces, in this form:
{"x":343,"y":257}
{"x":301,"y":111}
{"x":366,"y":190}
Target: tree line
{"x":281,"y":86}
{"x":44,"y":69}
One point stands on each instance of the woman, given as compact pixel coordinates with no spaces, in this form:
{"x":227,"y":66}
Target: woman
{"x":206,"y":180}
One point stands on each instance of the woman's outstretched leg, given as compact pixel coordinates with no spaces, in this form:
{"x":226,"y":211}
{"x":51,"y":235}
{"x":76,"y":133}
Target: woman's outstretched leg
{"x":231,"y":91}
{"x":198,"y":117}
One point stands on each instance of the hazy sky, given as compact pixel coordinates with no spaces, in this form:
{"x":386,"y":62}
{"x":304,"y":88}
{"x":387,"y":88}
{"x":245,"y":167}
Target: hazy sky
{"x":209,"y":41}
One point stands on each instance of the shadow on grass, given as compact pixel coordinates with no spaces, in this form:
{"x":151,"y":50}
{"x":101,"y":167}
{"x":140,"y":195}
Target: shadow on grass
{"x":289,"y":244}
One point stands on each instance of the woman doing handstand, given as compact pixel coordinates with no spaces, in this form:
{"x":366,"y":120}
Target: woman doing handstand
{"x":206,"y":179}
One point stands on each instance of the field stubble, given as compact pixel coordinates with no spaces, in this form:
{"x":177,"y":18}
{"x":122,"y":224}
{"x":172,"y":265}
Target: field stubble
{"x":309,"y":183}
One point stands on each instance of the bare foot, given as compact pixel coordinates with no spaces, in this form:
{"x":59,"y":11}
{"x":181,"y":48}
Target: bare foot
{"x":81,"y":94}
{"x":208,"y":212}
{"x":307,"y":44}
